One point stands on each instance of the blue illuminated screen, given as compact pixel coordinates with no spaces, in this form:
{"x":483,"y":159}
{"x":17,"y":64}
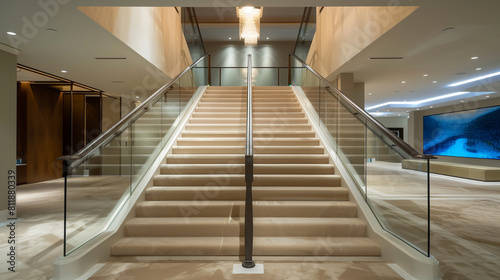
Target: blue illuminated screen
{"x":471,"y":133}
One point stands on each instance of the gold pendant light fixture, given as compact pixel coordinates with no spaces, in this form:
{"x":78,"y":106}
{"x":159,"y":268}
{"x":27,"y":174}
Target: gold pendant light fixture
{"x":249,"y":24}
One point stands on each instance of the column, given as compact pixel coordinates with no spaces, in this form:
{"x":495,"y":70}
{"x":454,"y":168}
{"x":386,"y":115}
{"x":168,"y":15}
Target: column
{"x":354,"y":91}
{"x":8,"y":125}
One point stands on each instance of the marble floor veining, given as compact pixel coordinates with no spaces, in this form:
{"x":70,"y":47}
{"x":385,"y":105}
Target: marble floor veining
{"x":465,"y":239}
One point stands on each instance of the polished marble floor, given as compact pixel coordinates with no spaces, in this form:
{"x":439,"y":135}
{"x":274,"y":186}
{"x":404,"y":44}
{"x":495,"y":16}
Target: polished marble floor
{"x":465,"y":238}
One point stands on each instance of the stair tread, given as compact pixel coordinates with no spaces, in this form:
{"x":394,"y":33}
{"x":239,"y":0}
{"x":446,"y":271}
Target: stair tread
{"x":278,"y":246}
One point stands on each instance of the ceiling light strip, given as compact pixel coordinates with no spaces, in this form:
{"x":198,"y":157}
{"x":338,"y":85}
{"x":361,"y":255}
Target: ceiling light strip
{"x":475,"y":79}
{"x":420,"y":101}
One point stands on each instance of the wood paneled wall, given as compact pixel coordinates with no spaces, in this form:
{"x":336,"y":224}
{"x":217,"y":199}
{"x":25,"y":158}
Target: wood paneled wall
{"x":44,"y":132}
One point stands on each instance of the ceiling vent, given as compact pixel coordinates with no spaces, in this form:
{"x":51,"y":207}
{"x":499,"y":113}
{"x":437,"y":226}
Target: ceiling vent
{"x":110,"y":58}
{"x":386,"y":58}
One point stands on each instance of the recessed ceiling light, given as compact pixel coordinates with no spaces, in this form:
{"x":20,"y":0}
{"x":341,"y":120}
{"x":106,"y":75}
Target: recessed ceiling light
{"x":267,"y":38}
{"x":474,"y":57}
{"x":434,"y":82}
{"x":370,"y":93}
{"x":479,"y":68}
{"x":230,"y":38}
{"x":11,"y":33}
{"x":64,"y":71}
{"x":403,"y":82}
{"x":137,"y":96}
{"x":418,"y":109}
{"x":425,"y":75}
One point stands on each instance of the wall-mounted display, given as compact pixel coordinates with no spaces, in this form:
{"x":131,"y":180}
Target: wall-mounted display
{"x":470,"y":133}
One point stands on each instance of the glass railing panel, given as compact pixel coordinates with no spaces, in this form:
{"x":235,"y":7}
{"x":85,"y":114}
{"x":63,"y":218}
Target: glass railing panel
{"x":216,"y":78}
{"x":283,"y":76}
{"x":329,"y":113}
{"x":397,"y":196}
{"x":192,"y":33}
{"x":265,"y":76}
{"x":99,"y":180}
{"x":187,"y":87}
{"x":311,"y":86}
{"x":306,"y":33}
{"x":145,"y":139}
{"x":233,"y":76}
{"x":94,"y":187}
{"x":376,"y":160}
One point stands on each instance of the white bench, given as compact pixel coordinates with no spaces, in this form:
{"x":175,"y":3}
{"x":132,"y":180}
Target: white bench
{"x":469,"y":171}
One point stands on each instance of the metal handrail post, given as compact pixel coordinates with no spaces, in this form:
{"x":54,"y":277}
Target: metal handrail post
{"x":248,"y":262}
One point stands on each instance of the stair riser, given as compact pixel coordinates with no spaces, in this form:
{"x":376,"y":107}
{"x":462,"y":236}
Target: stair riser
{"x":244,"y":109}
{"x":243,"y":121}
{"x":201,"y":208}
{"x":239,"y":180}
{"x":240,"y":159}
{"x":243,"y":115}
{"x":242,"y":128}
{"x":221,"y":227}
{"x":231,"y":134}
{"x":240,"y":169}
{"x":200,"y":142}
{"x":263,"y":246}
{"x":259,"y":194}
{"x":241,"y":150}
{"x":284,"y":104}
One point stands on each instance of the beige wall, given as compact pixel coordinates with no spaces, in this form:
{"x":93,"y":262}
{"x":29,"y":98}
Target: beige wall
{"x":153,"y":32}
{"x":416,"y":128}
{"x":8,"y":115}
{"x":343,"y":32}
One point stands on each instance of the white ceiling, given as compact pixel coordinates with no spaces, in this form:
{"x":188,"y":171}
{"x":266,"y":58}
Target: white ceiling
{"x":419,"y":39}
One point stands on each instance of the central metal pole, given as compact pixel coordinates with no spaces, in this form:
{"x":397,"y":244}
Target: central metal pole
{"x":249,"y":263}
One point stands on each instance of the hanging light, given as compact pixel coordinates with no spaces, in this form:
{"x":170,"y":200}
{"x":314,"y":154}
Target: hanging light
{"x":249,"y":24}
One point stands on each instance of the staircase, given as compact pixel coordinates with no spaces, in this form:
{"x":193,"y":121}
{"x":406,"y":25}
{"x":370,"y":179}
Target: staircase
{"x":196,"y":206}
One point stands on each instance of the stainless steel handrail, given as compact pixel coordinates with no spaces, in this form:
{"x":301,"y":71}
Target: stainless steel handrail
{"x":115,"y":129}
{"x":405,"y":147}
{"x":248,"y":262}
{"x":249,"y":140}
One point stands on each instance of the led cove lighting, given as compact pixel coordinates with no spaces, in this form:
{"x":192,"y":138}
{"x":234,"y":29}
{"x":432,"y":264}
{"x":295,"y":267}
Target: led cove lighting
{"x":419,"y":101}
{"x":475,"y":79}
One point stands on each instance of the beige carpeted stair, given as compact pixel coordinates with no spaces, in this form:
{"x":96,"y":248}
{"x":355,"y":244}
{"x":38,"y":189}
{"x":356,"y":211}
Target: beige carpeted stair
{"x":196,"y":206}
